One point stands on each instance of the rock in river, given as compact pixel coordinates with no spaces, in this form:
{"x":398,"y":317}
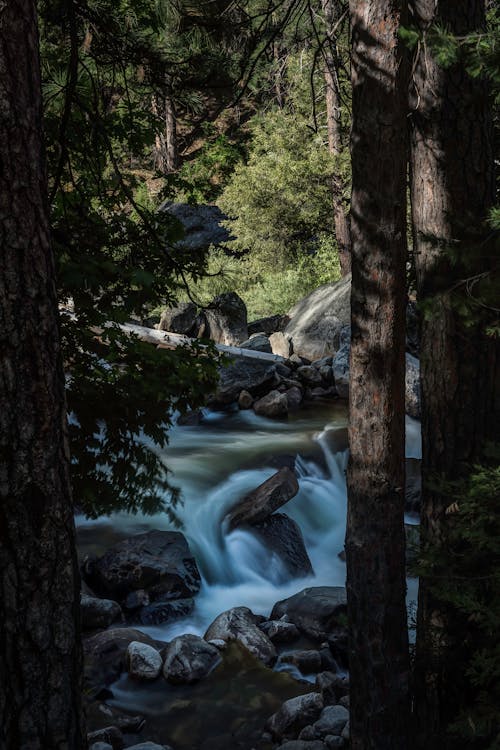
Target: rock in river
{"x":315,"y":611}
{"x":240,"y":624}
{"x":158,"y":562}
{"x":283,"y":536}
{"x":265,"y":499}
{"x":295,"y":714}
{"x":189,"y":658}
{"x":143,"y":661}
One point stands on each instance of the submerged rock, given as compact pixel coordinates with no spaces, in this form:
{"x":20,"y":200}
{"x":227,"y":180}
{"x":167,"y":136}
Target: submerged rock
{"x":315,"y":611}
{"x":189,"y":658}
{"x":158,"y":562}
{"x":295,"y":714}
{"x":240,"y":624}
{"x":282,"y":535}
{"x":265,"y":499}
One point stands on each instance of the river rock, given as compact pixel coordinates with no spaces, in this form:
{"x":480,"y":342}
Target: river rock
{"x":332,"y":721}
{"x":259,"y":342}
{"x":295,"y":714}
{"x":282,"y":535}
{"x":268,"y":325}
{"x":240,"y":624}
{"x":333,"y":687}
{"x":245,"y":400}
{"x":273,"y":404}
{"x":302,"y":745}
{"x":100,"y":746}
{"x":317,"y":319}
{"x":98,"y":613}
{"x":149,"y":746}
{"x":188,"y":659}
{"x":179,"y":319}
{"x":158,"y":562}
{"x":143,"y":661}
{"x":281,"y":344}
{"x":294,"y":397}
{"x":160,"y":612}
{"x":105,"y":656}
{"x":309,"y":375}
{"x":307,"y":661}
{"x":254,"y":376}
{"x":226,"y":319}
{"x":315,"y":611}
{"x":107,"y":736}
{"x":326,"y":372}
{"x":412,"y":386}
{"x":334,"y":742}
{"x":280,"y":631}
{"x":265,"y":499}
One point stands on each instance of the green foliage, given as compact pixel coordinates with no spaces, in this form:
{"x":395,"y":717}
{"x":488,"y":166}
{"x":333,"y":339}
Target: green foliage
{"x":465,"y":573}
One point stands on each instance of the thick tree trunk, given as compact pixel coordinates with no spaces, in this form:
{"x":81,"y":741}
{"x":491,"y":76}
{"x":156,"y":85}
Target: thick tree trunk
{"x":166,"y":155}
{"x":334,"y":129}
{"x":452,"y":188}
{"x":378,"y":652}
{"x":40,"y":654}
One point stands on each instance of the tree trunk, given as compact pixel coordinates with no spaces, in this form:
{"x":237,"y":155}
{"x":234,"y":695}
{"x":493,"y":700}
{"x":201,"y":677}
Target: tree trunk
{"x":334,"y":129}
{"x":40,"y":653}
{"x":452,"y":188}
{"x":378,"y":650}
{"x":166,"y":154}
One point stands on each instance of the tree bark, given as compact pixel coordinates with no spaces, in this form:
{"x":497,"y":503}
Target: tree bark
{"x":40,"y":653}
{"x":452,"y":188}
{"x":166,"y":153}
{"x":378,"y":651}
{"x":335,"y":140}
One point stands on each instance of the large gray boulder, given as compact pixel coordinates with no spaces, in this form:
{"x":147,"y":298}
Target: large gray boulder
{"x":273,"y":404}
{"x":202,"y":224}
{"x":158,"y":562}
{"x":183,"y":318}
{"x":188,"y":659}
{"x":240,"y":624}
{"x":282,"y":535}
{"x":315,"y":611}
{"x":265,"y":499}
{"x":254,"y":376}
{"x":295,"y":714}
{"x":316,"y":321}
{"x":268,"y":325}
{"x":226,"y":318}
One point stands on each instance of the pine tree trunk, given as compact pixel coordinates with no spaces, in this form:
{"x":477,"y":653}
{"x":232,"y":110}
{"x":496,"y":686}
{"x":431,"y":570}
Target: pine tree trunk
{"x":452,"y":188}
{"x":378,"y":651}
{"x":334,"y":129}
{"x":40,"y":653}
{"x":166,"y":156}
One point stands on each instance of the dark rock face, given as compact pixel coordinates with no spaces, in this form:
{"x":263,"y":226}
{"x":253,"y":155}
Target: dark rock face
{"x":315,"y":611}
{"x":98,"y":613}
{"x":202,"y":225}
{"x":158,"y":562}
{"x":265,"y":499}
{"x":188,"y":659}
{"x":268,"y":325}
{"x":240,"y":624}
{"x":295,"y":714}
{"x":179,"y":319}
{"x":283,"y":536}
{"x":226,"y":318}
{"x":160,"y":612}
{"x":105,"y":656}
{"x":253,"y":376}
{"x":333,"y":687}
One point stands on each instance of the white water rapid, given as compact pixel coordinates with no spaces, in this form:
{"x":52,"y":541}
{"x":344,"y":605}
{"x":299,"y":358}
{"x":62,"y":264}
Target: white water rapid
{"x":215,"y":464}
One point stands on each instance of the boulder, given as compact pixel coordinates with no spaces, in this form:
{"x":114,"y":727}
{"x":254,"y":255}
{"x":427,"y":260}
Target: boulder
{"x":188,"y":659}
{"x":332,"y":721}
{"x":179,"y":319}
{"x":240,"y":624}
{"x":307,"y":661}
{"x":326,"y":372}
{"x":107,"y":736}
{"x":302,"y":745}
{"x":309,"y":375}
{"x":245,"y":400}
{"x":340,"y":370}
{"x":160,"y":612}
{"x":98,"y":613}
{"x":143,"y":661}
{"x":295,"y":714}
{"x":100,"y":746}
{"x":282,"y":535}
{"x":412,"y":386}
{"x":259,"y":342}
{"x":226,"y":318}
{"x":315,"y":611}
{"x":254,"y":376}
{"x":273,"y":404}
{"x":149,"y":746}
{"x":317,"y":319}
{"x":281,"y":344}
{"x":280,"y":631}
{"x":268,"y":325}
{"x":265,"y":499}
{"x":158,"y":562}
{"x":333,"y":687}
{"x":293,"y":397}
{"x":105,"y":656}
{"x":202,"y":224}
